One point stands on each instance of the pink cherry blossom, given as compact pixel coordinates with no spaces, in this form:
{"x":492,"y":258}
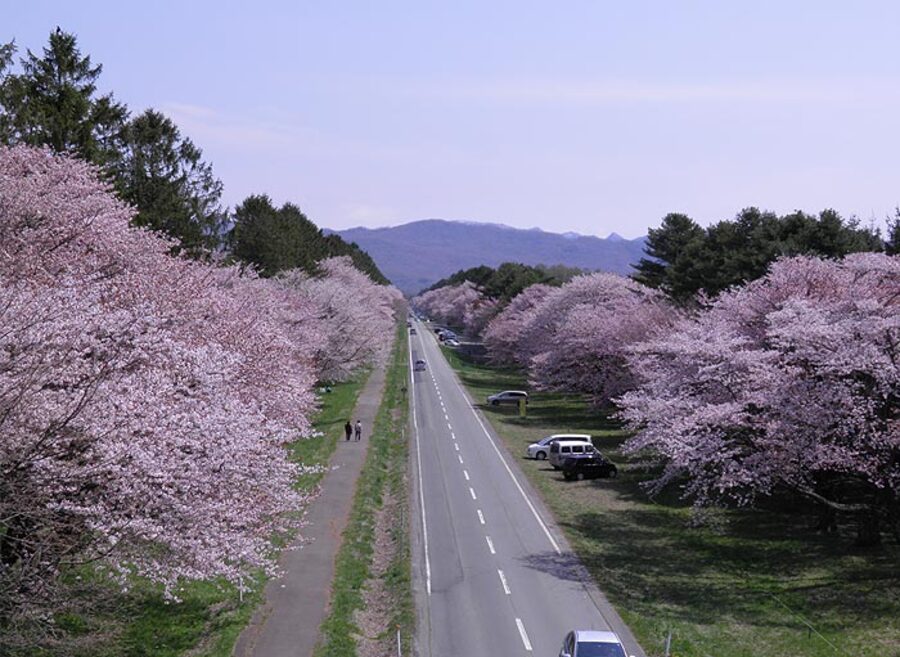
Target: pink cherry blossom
{"x":789,"y":383}
{"x":144,"y":400}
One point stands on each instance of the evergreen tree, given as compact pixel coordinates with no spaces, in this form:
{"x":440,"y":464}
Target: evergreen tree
{"x":162,"y":174}
{"x":664,"y":246}
{"x":53,"y":102}
{"x":277,"y":239}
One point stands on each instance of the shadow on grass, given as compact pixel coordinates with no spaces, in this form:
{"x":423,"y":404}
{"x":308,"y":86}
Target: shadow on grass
{"x":648,"y":558}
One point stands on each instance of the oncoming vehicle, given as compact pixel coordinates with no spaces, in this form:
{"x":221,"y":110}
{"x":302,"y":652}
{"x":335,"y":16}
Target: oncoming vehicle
{"x":596,"y":466}
{"x":419,"y":366}
{"x":541,"y":448}
{"x":508,"y":397}
{"x":591,"y":643}
{"x":563,"y":449}
{"x":412,"y":331}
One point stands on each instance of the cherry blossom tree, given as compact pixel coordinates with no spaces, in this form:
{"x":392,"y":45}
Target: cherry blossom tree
{"x":790,"y":383}
{"x":503,"y":335}
{"x":144,"y":400}
{"x":462,"y":306}
{"x":575,"y":337}
{"x":355,"y":314}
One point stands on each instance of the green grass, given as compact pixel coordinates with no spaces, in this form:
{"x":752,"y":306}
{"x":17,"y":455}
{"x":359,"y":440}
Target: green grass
{"x":741,"y":586}
{"x":383,"y":472}
{"x":210,"y":616}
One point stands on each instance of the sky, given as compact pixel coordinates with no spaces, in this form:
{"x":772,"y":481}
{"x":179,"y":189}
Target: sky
{"x":592,"y":117}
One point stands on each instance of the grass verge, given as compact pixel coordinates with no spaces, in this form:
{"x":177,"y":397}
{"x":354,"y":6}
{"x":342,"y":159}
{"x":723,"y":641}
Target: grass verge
{"x":210,"y":616}
{"x":384,"y":474}
{"x":748,"y":583}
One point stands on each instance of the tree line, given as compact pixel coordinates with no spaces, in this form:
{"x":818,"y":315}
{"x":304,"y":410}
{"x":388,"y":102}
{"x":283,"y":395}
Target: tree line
{"x":509,"y":278}
{"x":52,"y":101}
{"x":684,"y":259}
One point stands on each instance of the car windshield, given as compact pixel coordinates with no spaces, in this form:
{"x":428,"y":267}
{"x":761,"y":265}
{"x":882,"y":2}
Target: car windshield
{"x":593,"y":649}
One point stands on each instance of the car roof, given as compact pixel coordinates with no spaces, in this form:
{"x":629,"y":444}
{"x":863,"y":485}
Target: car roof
{"x":567,"y":443}
{"x":513,"y":392}
{"x":570,"y":436}
{"x":596,"y":636}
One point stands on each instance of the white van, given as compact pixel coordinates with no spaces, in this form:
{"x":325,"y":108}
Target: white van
{"x":563,"y":449}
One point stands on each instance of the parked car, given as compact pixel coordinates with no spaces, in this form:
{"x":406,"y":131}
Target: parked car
{"x":596,"y":466}
{"x":451,"y":342}
{"x":541,"y":449}
{"x":591,"y":643}
{"x":419,"y":366}
{"x":507,"y":397}
{"x":563,"y":449}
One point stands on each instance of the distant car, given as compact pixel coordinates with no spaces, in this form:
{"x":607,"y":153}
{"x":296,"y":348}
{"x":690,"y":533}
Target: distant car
{"x":589,"y":467}
{"x":409,"y":324}
{"x":412,"y":331}
{"x":541,"y":449}
{"x":592,"y":643}
{"x":564,"y":449}
{"x":507,"y":397}
{"x":419,"y":366}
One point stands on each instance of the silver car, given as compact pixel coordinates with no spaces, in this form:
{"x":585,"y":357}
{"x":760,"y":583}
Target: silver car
{"x":541,"y":449}
{"x":591,"y":643}
{"x":507,"y":397}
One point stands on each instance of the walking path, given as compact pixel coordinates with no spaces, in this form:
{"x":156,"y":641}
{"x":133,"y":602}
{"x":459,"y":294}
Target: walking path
{"x":287,"y":623}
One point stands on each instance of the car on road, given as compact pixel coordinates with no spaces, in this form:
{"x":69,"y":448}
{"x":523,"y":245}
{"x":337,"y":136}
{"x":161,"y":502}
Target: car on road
{"x":569,"y":449}
{"x":507,"y":397}
{"x":541,"y":449}
{"x":419,"y":366}
{"x":412,"y":331}
{"x":592,"y":643}
{"x":596,"y":466}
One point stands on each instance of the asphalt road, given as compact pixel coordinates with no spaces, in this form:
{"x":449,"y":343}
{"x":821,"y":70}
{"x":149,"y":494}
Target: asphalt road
{"x":493,"y":574}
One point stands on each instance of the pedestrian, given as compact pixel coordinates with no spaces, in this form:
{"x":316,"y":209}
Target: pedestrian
{"x":348,"y":429}
{"x":358,"y":429}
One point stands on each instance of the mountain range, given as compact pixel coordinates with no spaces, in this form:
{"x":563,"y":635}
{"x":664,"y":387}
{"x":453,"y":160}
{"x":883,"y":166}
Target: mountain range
{"x":418,"y":254}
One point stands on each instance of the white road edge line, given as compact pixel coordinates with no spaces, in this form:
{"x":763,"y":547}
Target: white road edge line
{"x":412,"y":388}
{"x":490,"y":544}
{"x":503,"y":581}
{"x":510,"y":472}
{"x":480,"y":516}
{"x":523,"y":634}
{"x":472,"y":492}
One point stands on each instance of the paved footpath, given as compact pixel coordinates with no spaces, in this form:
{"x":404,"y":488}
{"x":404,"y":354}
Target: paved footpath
{"x":287,"y":624}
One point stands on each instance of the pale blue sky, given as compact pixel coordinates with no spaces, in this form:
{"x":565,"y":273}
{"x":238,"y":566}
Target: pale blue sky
{"x":570,"y":116}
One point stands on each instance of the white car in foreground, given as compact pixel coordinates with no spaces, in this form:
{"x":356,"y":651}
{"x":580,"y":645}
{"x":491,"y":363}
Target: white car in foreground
{"x":592,"y":643}
{"x":541,"y":449}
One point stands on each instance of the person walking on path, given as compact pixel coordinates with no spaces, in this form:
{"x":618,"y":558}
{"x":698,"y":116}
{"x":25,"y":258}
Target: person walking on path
{"x":358,"y":429}
{"x":348,"y":429}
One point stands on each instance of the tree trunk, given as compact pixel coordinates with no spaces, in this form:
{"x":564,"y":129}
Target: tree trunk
{"x":827,"y":520}
{"x":868,"y":529}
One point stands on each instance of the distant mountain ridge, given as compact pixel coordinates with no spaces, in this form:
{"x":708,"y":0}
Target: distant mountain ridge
{"x":416,"y":255}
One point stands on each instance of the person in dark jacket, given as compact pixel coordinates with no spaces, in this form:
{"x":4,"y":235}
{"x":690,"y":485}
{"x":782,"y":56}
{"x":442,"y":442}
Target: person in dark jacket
{"x":348,"y":429}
